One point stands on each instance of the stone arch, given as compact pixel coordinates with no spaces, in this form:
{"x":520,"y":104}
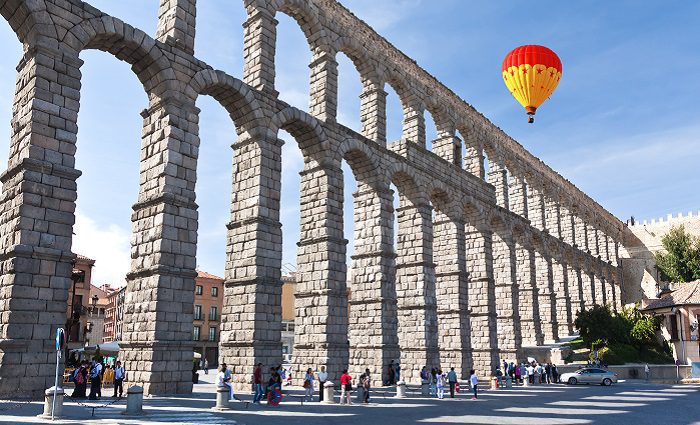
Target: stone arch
{"x":237,"y":98}
{"x":305,"y":129}
{"x":362,"y":160}
{"x":28,"y":20}
{"x":128,"y":44}
{"x":303,"y":12}
{"x":406,"y":182}
{"x":364,"y":64}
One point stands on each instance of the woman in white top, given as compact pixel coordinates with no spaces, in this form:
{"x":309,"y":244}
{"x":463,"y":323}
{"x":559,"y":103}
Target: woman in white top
{"x":440,"y":381}
{"x":222,"y":380}
{"x":474,"y":381}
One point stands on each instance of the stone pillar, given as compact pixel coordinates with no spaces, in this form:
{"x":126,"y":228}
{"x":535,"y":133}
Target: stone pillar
{"x":176,"y":24}
{"x":507,"y":295}
{"x":575,"y":290}
{"x":415,"y":289}
{"x":545,"y":286}
{"x":449,"y":148}
{"x":568,"y":226}
{"x":482,"y":300}
{"x":158,"y":307}
{"x":562,"y":297}
{"x":589,"y":290}
{"x":612,"y":251}
{"x":592,"y":234}
{"x":259,"y":38}
{"x":553,"y":217}
{"x":581,"y":234}
{"x":414,"y":125}
{"x":323,"y":99}
{"x":536,"y":205}
{"x":498,"y":177}
{"x":474,"y":159}
{"x":320,"y":300}
{"x":599,"y":292}
{"x":251,"y":318}
{"x":609,"y":291}
{"x":373,"y":113}
{"x":452,"y":296}
{"x":518,"y":195}
{"x":616,"y":287}
{"x":372,"y":328}
{"x":37,"y":204}
{"x":530,"y":324}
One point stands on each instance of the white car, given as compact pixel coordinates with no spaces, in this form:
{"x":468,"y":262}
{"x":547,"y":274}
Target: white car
{"x":590,"y":375}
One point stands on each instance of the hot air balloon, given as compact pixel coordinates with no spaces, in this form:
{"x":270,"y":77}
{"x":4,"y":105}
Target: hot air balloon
{"x":531,"y":73}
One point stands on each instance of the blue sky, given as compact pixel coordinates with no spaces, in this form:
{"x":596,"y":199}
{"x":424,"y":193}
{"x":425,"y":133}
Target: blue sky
{"x":623,"y":125}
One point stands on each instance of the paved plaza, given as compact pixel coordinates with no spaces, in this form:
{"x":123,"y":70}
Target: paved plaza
{"x":630,"y":402}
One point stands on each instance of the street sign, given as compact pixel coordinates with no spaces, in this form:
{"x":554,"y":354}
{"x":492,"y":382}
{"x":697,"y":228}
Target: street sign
{"x":60,"y":339}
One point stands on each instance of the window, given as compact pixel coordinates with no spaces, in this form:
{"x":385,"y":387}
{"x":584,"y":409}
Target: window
{"x":198,"y":290}
{"x":214,"y":291}
{"x":213,"y":313}
{"x":195,"y":333}
{"x":674,"y":327}
{"x":197,"y":312}
{"x":212,"y":333}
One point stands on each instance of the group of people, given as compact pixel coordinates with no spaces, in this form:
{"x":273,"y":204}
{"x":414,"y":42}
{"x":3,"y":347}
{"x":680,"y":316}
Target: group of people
{"x":533,"y":372}
{"x":96,"y":371}
{"x":436,"y":380}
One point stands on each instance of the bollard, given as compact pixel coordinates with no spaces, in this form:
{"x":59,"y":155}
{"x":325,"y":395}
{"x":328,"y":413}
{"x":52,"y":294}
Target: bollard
{"x":400,"y":389}
{"x":328,"y":393}
{"x":134,"y":400}
{"x":425,"y":388}
{"x":509,"y":382}
{"x":222,"y":395}
{"x":49,"y":404}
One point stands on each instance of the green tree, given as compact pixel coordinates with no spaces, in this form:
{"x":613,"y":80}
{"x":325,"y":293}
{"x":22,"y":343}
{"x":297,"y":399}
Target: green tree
{"x":680,"y":259}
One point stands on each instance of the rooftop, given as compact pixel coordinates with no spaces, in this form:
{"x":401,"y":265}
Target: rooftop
{"x":206,"y":275}
{"x":687,"y":293}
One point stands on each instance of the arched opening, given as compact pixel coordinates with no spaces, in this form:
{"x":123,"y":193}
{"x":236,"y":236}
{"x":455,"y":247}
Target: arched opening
{"x":349,"y":91}
{"x":431,"y":132}
{"x":217,"y":133}
{"x":292,"y":59}
{"x":219,"y":38}
{"x":394,"y":115}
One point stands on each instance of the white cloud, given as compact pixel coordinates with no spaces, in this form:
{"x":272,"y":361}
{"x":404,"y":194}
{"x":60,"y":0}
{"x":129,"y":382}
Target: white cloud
{"x":108,"y":245}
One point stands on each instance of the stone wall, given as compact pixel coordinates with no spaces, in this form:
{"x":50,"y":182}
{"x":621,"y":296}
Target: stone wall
{"x":477,"y":268}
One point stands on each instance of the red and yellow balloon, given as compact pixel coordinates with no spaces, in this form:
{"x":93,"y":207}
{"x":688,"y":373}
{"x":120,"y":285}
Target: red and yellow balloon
{"x":531,"y":73}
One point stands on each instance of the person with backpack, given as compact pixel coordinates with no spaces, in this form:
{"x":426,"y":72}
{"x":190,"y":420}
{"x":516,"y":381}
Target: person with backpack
{"x":309,"y":385}
{"x":79,"y":377}
{"x":366,"y":384}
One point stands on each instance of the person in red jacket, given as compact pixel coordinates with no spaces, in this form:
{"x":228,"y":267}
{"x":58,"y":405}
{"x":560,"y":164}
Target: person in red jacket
{"x":345,"y":387}
{"x":258,"y":381}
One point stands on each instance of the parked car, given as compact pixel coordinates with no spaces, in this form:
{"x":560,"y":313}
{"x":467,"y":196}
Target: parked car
{"x":590,"y":375}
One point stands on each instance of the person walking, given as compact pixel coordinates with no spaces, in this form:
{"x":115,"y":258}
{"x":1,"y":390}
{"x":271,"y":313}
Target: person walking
{"x":531,"y":374}
{"x":398,"y":371}
{"x":647,"y":371}
{"x":555,"y":374}
{"x":118,"y":379}
{"x":258,"y":383}
{"x":518,"y":374}
{"x":345,"y":387}
{"x":206,"y":366}
{"x":95,"y":380}
{"x":223,"y":380}
{"x":391,"y":373}
{"x":322,"y":378}
{"x":474,"y":381}
{"x":309,"y":385}
{"x":440,"y":384}
{"x":366,"y":384}
{"x":80,"y":375}
{"x":547,"y":373}
{"x":433,"y":382}
{"x":452,"y":380}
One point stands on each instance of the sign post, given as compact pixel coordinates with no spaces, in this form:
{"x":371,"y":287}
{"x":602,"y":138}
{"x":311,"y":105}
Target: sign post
{"x":60,"y":344}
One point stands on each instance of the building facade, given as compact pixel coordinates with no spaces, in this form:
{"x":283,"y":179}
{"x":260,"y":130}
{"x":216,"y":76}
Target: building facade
{"x":114,"y":317}
{"x":208,"y":303}
{"x":488,"y":258}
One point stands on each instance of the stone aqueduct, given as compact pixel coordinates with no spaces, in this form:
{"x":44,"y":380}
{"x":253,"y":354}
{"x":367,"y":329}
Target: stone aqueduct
{"x":485,"y":262}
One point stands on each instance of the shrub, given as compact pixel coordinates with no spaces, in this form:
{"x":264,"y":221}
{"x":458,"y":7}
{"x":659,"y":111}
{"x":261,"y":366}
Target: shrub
{"x":644,"y":331}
